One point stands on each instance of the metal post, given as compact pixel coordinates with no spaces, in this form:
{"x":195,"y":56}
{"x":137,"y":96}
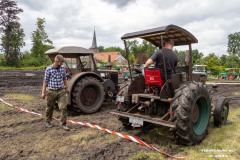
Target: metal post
{"x":127,"y":52}
{"x":190,"y":63}
{"x":164,"y":62}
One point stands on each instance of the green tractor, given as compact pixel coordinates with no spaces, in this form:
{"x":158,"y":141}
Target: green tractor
{"x":182,"y":103}
{"x":230,"y":74}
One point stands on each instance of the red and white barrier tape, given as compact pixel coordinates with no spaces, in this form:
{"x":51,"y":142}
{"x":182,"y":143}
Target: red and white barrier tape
{"x":131,"y":138}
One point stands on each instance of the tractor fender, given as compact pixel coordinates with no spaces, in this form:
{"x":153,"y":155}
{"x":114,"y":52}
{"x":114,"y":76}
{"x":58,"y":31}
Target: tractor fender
{"x":78,"y":76}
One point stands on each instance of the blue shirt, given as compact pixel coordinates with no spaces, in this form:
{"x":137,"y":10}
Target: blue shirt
{"x":55,"y":77}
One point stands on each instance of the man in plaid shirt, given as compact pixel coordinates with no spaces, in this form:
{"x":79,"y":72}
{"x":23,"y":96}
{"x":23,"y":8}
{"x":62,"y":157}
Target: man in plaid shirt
{"x":56,"y":81}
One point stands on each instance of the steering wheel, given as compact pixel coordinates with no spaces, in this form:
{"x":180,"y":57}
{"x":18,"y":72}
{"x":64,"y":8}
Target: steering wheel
{"x":82,"y":65}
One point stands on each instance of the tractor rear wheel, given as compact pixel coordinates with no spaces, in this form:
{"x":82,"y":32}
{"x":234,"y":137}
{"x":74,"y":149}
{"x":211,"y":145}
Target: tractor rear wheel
{"x":88,"y":95}
{"x":191,"y":112}
{"x":231,"y":76}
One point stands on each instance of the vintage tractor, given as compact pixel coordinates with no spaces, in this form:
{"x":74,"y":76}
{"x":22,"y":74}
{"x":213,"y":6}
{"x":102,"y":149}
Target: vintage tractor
{"x":200,"y":70}
{"x":230,"y":74}
{"x":88,"y":86}
{"x":182,"y":103}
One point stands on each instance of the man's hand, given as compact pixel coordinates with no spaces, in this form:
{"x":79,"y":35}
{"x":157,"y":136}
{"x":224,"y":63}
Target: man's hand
{"x":148,"y":63}
{"x":67,"y":91}
{"x":44,"y":89}
{"x":43,"y":95}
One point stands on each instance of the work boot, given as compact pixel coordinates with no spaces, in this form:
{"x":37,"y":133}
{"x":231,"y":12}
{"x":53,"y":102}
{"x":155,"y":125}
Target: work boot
{"x":65,"y":128}
{"x":48,"y":124}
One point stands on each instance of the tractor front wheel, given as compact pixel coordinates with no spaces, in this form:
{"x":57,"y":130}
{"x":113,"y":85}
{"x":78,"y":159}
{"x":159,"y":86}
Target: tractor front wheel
{"x":220,"y":77}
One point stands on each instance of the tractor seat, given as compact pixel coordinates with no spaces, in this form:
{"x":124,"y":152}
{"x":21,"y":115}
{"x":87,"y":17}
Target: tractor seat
{"x":153,"y":77}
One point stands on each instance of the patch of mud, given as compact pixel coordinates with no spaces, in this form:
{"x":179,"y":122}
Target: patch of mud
{"x":113,"y":151}
{"x":12,"y":78}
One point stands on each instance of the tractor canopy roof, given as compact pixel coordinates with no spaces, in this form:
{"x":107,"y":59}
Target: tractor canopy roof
{"x":69,"y":52}
{"x":226,"y":69}
{"x":176,"y":33}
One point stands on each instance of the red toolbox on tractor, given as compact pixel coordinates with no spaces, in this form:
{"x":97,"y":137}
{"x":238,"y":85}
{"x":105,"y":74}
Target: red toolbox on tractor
{"x":153,"y":77}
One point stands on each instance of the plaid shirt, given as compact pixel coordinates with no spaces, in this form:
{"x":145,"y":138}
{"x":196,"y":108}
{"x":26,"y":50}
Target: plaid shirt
{"x":55,"y":77}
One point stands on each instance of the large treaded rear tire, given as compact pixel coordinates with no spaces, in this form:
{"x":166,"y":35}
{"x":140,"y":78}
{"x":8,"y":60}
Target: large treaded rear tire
{"x":191,"y":112}
{"x":88,"y":95}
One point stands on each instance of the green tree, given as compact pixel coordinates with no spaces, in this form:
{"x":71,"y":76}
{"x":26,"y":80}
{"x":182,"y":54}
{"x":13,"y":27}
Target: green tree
{"x":181,"y":57}
{"x":132,"y":58}
{"x":234,"y":43}
{"x":101,"y":49}
{"x":197,"y":57}
{"x":223,"y":60}
{"x":232,"y":61}
{"x":16,"y":43}
{"x":212,"y":61}
{"x":2,"y":60}
{"x":9,"y":29}
{"x":147,"y":48}
{"x":133,"y":47}
{"x":40,"y":41}
{"x":115,"y":49}
{"x":137,"y":48}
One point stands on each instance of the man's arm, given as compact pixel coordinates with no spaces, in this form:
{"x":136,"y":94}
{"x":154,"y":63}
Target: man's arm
{"x":44,"y":89}
{"x":148,"y":63}
{"x":65,"y":80}
{"x":152,"y":59}
{"x":45,"y":82}
{"x":66,"y":87}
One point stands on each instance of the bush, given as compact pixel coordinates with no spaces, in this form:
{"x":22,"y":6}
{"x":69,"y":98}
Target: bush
{"x":28,"y":60}
{"x":216,"y":69}
{"x":102,"y":65}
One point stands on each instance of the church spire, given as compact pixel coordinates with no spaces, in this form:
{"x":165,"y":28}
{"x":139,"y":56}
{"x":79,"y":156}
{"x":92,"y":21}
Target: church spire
{"x":94,"y":47}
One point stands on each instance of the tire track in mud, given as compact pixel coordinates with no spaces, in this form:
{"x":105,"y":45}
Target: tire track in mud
{"x":15,"y":124}
{"x":226,"y":91}
{"x":11,"y":78}
{"x":121,"y":149}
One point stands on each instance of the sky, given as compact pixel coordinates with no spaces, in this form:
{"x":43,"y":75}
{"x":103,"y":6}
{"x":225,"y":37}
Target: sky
{"x":72,"y":22}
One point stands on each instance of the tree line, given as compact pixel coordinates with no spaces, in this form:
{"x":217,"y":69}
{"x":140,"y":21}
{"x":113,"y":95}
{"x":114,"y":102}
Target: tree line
{"x":12,"y":40}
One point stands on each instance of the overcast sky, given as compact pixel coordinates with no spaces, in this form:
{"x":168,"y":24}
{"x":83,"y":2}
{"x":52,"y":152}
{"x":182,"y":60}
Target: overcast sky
{"x":71,"y":22}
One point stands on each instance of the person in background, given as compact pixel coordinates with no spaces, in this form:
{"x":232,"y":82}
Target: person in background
{"x":56,"y":80}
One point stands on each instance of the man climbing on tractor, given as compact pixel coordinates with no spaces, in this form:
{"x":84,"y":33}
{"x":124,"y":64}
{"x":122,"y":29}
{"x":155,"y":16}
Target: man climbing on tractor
{"x":170,"y":59}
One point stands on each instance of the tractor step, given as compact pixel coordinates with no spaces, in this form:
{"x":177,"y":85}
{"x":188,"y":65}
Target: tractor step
{"x":152,"y":120}
{"x":135,"y":97}
{"x":149,"y":96}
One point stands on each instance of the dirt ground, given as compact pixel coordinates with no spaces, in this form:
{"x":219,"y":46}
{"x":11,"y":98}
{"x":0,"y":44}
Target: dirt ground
{"x":24,"y":136}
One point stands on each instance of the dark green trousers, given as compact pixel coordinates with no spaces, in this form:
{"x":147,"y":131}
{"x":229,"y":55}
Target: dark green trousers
{"x":61,"y":99}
